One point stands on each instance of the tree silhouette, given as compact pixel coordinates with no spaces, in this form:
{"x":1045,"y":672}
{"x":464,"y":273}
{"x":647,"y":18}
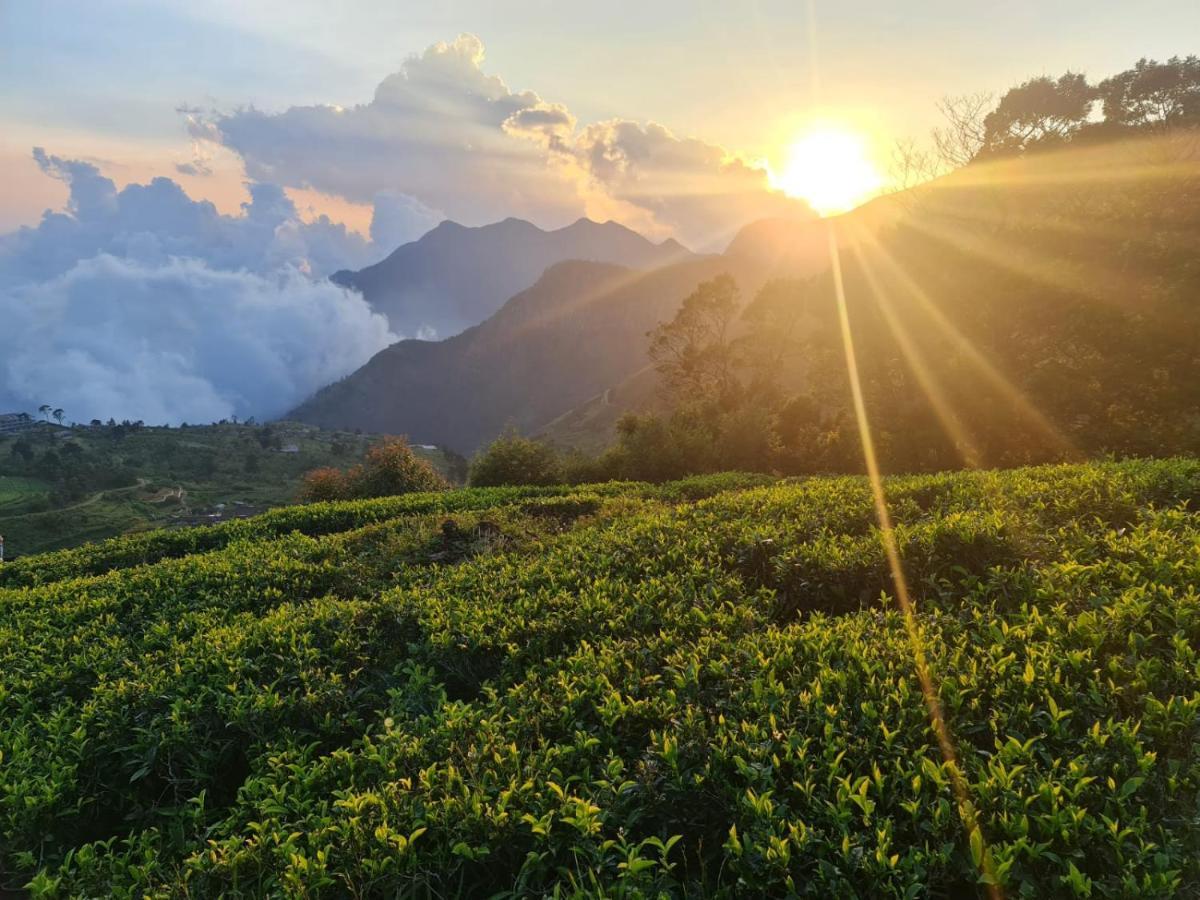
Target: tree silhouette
{"x":23,"y":449}
{"x":963,"y":133}
{"x":694,"y":352}
{"x":58,"y":416}
{"x":1154,"y":94}
{"x":1042,"y":111}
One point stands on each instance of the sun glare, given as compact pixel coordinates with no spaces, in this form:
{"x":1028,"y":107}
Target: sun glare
{"x":831,"y":170}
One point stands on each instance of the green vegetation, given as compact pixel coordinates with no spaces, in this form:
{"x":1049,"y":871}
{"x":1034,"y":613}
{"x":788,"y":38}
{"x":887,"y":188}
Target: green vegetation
{"x":390,"y":467}
{"x":513,"y":459}
{"x":990,"y":329}
{"x":62,"y":487}
{"x":20,"y":495}
{"x":697,"y":688}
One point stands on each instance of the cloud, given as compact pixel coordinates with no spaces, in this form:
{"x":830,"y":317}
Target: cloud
{"x":157,"y":221}
{"x":399,"y":218}
{"x":452,"y":138}
{"x":142,"y":303}
{"x":655,"y":181}
{"x":196,"y":168}
{"x":550,"y":123}
{"x":178,"y":341}
{"x":433,"y":131}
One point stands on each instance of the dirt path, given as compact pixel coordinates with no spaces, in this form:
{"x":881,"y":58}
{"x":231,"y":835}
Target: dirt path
{"x":164,"y":494}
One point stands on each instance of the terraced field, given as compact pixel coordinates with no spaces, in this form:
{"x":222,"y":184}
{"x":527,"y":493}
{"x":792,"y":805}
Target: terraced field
{"x":17,"y":494}
{"x":701,"y":688}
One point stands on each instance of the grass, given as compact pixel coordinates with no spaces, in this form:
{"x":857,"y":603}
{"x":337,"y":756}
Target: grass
{"x":141,"y":479}
{"x":694,"y":689}
{"x":18,"y":495}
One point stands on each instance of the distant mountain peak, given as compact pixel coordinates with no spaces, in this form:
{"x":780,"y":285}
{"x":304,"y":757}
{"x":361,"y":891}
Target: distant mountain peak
{"x":455,"y":276}
{"x":444,"y":227}
{"x":519,"y":222}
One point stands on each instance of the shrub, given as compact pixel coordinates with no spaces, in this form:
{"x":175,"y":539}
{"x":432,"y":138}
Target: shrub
{"x":392,"y":468}
{"x":650,"y":448}
{"x":389,"y":468}
{"x":579,"y":468}
{"x":513,"y":459}
{"x":325,"y":483}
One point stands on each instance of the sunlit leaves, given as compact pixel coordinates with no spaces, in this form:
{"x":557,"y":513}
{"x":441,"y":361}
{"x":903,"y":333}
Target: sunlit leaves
{"x":613,"y":702}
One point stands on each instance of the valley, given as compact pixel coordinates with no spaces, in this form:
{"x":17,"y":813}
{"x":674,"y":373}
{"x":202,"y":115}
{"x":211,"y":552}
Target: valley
{"x":60,"y":487}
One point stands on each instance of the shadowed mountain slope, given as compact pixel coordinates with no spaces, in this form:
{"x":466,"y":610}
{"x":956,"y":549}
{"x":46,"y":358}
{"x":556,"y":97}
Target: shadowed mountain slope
{"x":455,"y":277}
{"x":579,"y":330}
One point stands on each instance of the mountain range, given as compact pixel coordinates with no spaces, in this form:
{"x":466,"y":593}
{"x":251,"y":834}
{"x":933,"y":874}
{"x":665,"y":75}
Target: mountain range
{"x":455,"y":276}
{"x":983,"y":265}
{"x":558,"y":357}
{"x":578,"y":330}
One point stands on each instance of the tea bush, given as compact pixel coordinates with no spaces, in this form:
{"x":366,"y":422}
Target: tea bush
{"x":700,"y":688}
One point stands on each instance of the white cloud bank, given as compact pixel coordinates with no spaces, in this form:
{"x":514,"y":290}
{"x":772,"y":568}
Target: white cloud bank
{"x":145,"y":304}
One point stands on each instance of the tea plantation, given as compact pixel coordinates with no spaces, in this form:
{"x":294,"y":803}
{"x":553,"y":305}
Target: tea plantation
{"x":695,"y":689}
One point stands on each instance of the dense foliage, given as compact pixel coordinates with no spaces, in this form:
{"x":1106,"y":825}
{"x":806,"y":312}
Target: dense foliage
{"x":696,"y":688}
{"x":513,"y":459}
{"x":1045,"y":112}
{"x":390,"y":467}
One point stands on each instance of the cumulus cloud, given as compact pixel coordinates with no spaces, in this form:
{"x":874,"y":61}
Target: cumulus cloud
{"x":142,"y":303}
{"x":196,"y":168}
{"x":549,"y":123}
{"x":178,"y":341}
{"x":157,"y":221}
{"x":433,"y":131}
{"x":452,"y":138}
{"x":655,"y":181}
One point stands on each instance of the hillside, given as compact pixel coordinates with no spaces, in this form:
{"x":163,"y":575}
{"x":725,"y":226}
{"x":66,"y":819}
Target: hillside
{"x":455,"y":277}
{"x":622,"y":687}
{"x":589,"y":427}
{"x":61,"y":487}
{"x":571,"y":340}
{"x":1021,"y":310}
{"x":577,"y":335}
{"x":580,"y":329}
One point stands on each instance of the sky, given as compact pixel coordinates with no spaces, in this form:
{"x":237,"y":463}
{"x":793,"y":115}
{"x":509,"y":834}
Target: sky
{"x":103,"y":80}
{"x":179,"y":177}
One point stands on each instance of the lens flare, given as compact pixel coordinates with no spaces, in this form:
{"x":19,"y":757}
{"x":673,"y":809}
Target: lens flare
{"x":887,"y":533}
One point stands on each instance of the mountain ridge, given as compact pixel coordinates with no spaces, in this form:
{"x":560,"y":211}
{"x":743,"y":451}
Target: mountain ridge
{"x":455,"y":276}
{"x":578,"y":330}
{"x":578,"y":333}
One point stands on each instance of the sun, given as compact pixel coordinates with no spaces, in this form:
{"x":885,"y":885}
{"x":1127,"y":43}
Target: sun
{"x":830,"y":169}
